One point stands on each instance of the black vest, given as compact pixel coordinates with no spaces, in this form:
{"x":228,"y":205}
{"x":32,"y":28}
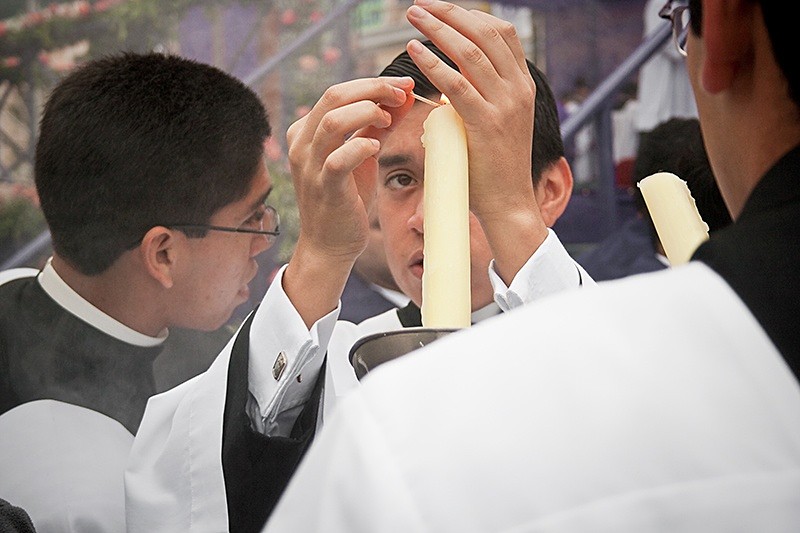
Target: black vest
{"x":257,"y":468}
{"x":48,"y":353}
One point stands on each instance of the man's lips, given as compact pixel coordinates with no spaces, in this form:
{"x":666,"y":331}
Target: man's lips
{"x":415,"y":265}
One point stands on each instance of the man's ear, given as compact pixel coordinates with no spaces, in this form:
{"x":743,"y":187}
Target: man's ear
{"x":727,"y":39}
{"x":159,"y":252}
{"x":554,"y":191}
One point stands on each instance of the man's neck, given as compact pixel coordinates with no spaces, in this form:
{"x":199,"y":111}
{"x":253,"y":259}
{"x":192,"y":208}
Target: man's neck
{"x":116,"y":293}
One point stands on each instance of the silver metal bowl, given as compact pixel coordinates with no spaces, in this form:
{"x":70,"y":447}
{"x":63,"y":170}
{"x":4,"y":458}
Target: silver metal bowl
{"x":373,"y":350}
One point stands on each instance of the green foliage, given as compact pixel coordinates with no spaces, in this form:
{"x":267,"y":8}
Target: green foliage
{"x":284,"y":200}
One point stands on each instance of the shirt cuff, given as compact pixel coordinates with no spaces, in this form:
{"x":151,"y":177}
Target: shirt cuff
{"x":285,"y":360}
{"x":549,"y":270}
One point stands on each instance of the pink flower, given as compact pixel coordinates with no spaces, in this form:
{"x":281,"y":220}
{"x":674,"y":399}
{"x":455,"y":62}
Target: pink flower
{"x":288,"y":17}
{"x":331,"y":55}
{"x":308,"y":63}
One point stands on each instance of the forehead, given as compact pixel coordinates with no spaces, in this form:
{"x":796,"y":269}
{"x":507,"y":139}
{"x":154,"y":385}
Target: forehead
{"x":404,"y":139}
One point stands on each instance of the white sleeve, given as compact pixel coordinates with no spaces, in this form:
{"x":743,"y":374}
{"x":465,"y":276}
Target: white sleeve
{"x":549,"y":270}
{"x":285,"y":359}
{"x":174,"y":479}
{"x":351,"y":447}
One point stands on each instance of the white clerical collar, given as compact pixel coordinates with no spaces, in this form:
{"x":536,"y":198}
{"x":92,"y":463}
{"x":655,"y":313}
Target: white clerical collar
{"x":485,"y":312}
{"x":70,"y":300}
{"x":396,"y":297}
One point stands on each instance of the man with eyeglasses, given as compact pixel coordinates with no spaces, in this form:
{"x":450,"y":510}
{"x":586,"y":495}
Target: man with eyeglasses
{"x":664,"y":91}
{"x":686,"y":417}
{"x":152,"y":179}
{"x":514,"y":259}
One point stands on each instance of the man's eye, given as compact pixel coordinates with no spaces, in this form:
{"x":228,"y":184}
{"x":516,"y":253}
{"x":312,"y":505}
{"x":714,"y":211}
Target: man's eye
{"x":256,"y":218}
{"x":400,"y":181}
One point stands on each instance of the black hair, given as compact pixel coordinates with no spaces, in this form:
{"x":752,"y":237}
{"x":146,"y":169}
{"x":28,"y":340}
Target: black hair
{"x":677,"y":146}
{"x":131,"y":141}
{"x":548,"y":146}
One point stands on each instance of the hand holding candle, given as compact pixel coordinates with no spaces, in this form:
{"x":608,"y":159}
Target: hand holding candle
{"x":675,"y":217}
{"x":446,"y":289}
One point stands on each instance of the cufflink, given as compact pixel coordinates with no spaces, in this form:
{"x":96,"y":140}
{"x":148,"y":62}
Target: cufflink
{"x":279,"y":366}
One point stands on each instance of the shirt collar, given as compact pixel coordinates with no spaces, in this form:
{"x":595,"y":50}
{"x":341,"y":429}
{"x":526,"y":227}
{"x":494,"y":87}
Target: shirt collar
{"x":71,"y":301}
{"x":485,"y":312}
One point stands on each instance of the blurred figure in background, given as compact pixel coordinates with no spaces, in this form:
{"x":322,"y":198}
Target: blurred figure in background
{"x":664,"y":89}
{"x":675,"y":146}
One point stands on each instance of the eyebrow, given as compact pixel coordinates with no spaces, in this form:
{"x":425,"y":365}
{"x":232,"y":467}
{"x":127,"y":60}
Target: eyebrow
{"x":261,"y":200}
{"x":393,"y":160}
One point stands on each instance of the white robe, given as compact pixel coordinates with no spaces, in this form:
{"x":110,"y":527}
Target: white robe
{"x":661,"y":406}
{"x":174,"y":479}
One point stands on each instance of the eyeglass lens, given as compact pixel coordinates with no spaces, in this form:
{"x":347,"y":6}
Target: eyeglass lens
{"x":680,"y":22}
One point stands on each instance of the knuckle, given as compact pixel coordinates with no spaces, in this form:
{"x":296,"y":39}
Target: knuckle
{"x":490,"y":32}
{"x":473,"y":54}
{"x":334,"y":164}
{"x":330,"y":97}
{"x":507,"y":30}
{"x":447,"y":7}
{"x":460,"y":86}
{"x":329,"y":125}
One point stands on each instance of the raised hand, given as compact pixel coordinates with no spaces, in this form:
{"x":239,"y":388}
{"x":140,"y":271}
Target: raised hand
{"x":494,"y":94}
{"x":334,"y":179}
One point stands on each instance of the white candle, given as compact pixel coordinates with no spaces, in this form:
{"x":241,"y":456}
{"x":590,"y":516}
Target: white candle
{"x":675,"y":217}
{"x":446,"y":288}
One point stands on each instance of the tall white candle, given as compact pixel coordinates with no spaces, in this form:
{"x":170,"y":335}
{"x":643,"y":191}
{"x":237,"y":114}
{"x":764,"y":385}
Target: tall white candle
{"x":675,"y":217}
{"x":446,"y":289}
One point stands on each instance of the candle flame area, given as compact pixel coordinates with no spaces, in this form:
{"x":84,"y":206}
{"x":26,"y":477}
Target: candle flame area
{"x":424,"y":100}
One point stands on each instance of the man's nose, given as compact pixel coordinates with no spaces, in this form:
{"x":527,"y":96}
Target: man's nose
{"x":417,"y":219}
{"x":260,"y":244}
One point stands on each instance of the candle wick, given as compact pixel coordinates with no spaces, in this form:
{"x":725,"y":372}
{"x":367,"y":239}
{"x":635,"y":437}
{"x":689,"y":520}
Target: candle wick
{"x":424,"y":100}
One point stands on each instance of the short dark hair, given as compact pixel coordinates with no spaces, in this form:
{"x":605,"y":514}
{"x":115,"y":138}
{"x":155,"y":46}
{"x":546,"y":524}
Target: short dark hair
{"x":131,"y":141}
{"x":781,"y":27}
{"x":548,"y":146}
{"x":677,"y":146}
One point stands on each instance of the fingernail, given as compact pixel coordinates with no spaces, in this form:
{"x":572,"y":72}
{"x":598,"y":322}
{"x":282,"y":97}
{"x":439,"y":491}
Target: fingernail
{"x":415,"y":46}
{"x":416,"y":12}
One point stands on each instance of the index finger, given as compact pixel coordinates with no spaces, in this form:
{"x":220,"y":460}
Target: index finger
{"x":386,"y":91}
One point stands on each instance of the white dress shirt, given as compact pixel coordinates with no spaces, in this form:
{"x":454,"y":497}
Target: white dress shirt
{"x":174,"y":479}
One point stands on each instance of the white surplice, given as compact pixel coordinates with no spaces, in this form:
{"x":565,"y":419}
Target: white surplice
{"x":687,"y":422}
{"x":174,"y":480}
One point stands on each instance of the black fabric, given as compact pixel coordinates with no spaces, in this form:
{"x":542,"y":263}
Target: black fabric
{"x":257,"y":468}
{"x":360,"y":301}
{"x":14,"y":519}
{"x":410,"y":316}
{"x":759,"y":256}
{"x":48,"y":353}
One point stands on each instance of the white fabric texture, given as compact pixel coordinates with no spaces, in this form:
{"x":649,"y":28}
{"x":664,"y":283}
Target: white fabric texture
{"x":664,"y":408}
{"x":174,"y":480}
{"x":76,"y":454}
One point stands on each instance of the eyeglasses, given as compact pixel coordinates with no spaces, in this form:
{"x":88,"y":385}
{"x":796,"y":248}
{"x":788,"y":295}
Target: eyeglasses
{"x":268,"y":218}
{"x":677,"y":11}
